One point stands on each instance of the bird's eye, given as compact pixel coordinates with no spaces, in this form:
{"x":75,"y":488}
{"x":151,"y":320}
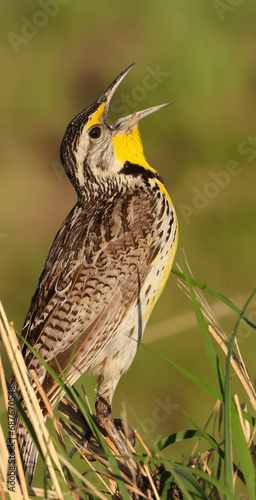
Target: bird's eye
{"x":95,"y":132}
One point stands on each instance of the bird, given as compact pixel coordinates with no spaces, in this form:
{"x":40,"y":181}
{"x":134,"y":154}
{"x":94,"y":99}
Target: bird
{"x":107,"y":265}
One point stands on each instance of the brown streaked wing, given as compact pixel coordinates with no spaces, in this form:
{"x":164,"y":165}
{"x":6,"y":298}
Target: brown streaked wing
{"x":78,"y":357}
{"x":98,"y":289}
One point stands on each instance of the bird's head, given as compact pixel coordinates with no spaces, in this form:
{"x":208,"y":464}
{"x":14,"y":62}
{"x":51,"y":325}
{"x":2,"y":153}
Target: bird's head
{"x":93,"y":149}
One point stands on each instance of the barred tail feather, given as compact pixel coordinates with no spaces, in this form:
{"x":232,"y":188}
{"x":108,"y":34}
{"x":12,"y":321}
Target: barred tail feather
{"x":28,"y":451}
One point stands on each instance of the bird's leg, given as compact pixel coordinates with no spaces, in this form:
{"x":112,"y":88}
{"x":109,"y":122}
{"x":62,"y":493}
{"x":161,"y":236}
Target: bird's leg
{"x":106,"y":423}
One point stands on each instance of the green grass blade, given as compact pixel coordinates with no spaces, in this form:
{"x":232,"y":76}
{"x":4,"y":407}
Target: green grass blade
{"x":199,"y":382}
{"x":188,"y":484}
{"x":182,"y":436}
{"x":227,"y":410}
{"x":79,"y":484}
{"x":213,"y":358}
{"x":209,"y":479}
{"x":165,"y":483}
{"x":244,"y":454}
{"x":228,"y":469}
{"x":214,"y":444}
{"x":227,"y":406}
{"x":171,"y":470}
{"x":176,"y":437}
{"x":218,"y":295}
{"x":187,"y":374}
{"x":192,"y":434}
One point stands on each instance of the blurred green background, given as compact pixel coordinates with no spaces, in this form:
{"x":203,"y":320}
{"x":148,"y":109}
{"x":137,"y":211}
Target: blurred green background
{"x":57,"y":57}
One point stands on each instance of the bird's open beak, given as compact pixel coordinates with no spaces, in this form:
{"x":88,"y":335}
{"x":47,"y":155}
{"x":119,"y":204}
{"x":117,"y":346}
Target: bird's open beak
{"x":128,"y":122}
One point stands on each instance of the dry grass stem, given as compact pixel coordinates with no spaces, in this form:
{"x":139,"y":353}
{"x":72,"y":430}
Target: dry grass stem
{"x":35,"y":415}
{"x":242,"y":375}
{"x":221,"y":338}
{"x":148,"y":473}
{"x":138,"y":436}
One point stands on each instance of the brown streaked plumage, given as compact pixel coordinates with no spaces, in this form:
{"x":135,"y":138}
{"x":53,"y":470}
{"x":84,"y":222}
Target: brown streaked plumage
{"x":107,"y":265}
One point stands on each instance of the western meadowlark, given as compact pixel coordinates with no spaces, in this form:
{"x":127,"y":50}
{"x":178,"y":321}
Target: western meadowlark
{"x":107,"y":265}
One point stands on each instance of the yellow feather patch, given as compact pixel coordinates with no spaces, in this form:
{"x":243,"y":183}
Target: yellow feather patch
{"x":128,"y":147}
{"x":96,"y":117}
{"x":165,"y":274}
{"x":163,"y":189}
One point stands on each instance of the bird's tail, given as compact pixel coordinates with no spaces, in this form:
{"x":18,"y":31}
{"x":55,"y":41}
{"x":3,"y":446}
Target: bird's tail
{"x":27,"y":448}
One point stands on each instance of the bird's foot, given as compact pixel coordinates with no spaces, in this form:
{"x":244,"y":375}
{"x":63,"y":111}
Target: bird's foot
{"x":109,"y":427}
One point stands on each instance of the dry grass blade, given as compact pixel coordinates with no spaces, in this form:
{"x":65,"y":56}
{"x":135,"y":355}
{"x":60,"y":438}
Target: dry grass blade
{"x":249,"y":436}
{"x":98,"y":456}
{"x":17,"y":495}
{"x":48,"y":406}
{"x":221,"y":338}
{"x":4,"y":454}
{"x":242,"y":374}
{"x":216,"y":410}
{"x":245,"y":428}
{"x":40,"y":493}
{"x":142,"y":443}
{"x":205,"y":307}
{"x":206,"y":454}
{"x":244,"y":370}
{"x":151,"y":482}
{"x":90,"y":488}
{"x":35,"y":415}
{"x":98,"y":474}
